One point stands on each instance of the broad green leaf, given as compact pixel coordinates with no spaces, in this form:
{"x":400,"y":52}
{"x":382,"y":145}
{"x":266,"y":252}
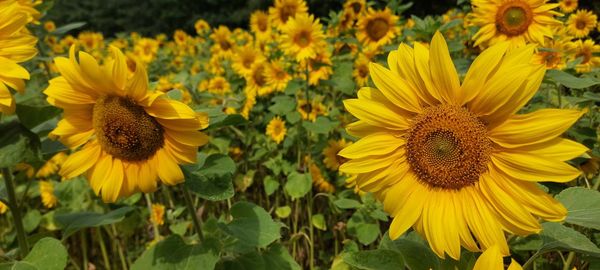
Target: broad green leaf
{"x":283,"y":211}
{"x":322,"y":125}
{"x":293,"y":86}
{"x":173,"y":253}
{"x":557,"y":236}
{"x":31,"y":220}
{"x":415,"y":252}
{"x":282,"y":105}
{"x":31,"y":116}
{"x":379,"y":259}
{"x":342,"y":77}
{"x":211,"y":178}
{"x":275,"y":257}
{"x":367,"y":232}
{"x":344,"y":203}
{"x":571,"y":81}
{"x":73,"y":222}
{"x":18,"y":144}
{"x":318,"y":221}
{"x":298,"y":185}
{"x":47,"y":254}
{"x":583,"y":205}
{"x":270,"y":184}
{"x":252,"y":225}
{"x":228,"y":120}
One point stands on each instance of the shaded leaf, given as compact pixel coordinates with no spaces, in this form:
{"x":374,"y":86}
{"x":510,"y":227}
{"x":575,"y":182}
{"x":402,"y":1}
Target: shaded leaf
{"x":583,"y":205}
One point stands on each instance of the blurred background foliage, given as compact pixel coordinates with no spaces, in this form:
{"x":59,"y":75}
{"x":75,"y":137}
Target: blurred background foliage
{"x":152,"y":17}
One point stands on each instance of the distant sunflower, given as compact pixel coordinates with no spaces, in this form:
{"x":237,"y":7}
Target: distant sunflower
{"x":518,"y":21}
{"x":567,"y":6}
{"x":492,"y":259}
{"x":202,"y":27}
{"x":276,"y":75}
{"x":224,"y":44}
{"x":276,"y":129}
{"x":259,"y":24}
{"x":283,"y":10}
{"x":331,"y":159}
{"x":377,"y":27}
{"x":158,"y":214}
{"x":244,"y":58}
{"x":453,"y":160}
{"x":584,"y":49}
{"x":256,"y":80}
{"x":17,"y":45}
{"x":123,"y":136}
{"x":219,"y":85}
{"x":49,"y":200}
{"x":361,"y":70}
{"x":319,"y":66}
{"x":3,"y":208}
{"x":355,"y":7}
{"x":581,"y":23}
{"x":310,"y":110}
{"x":302,"y":37}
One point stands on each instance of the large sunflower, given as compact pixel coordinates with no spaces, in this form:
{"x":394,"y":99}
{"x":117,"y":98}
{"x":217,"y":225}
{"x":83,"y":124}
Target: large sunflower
{"x":518,"y":21}
{"x":16,"y":45}
{"x":303,"y":37}
{"x":125,"y":137}
{"x":454,"y":161}
{"x":377,"y":27}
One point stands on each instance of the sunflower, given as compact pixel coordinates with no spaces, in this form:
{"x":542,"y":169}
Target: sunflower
{"x":256,"y":80}
{"x":276,"y":75}
{"x":283,"y":10}
{"x":355,"y":7}
{"x":259,"y":25}
{"x":158,"y":214}
{"x":302,"y":37}
{"x":146,"y":49}
{"x":331,"y":159}
{"x":492,"y":259}
{"x":584,"y":49}
{"x":52,"y":165}
{"x":319,"y":182}
{"x":244,"y":58}
{"x":219,"y":85}
{"x":276,"y":129}
{"x":17,"y":45}
{"x":49,"y":200}
{"x":49,"y":26}
{"x":319,"y":66}
{"x":581,"y":23}
{"x":454,"y":161}
{"x":377,"y":27}
{"x":552,"y":55}
{"x":567,"y":6}
{"x":91,"y":41}
{"x":250,"y":94}
{"x":3,"y":208}
{"x":202,"y":27}
{"x":224,"y":44}
{"x":518,"y":21}
{"x":119,"y":131}
{"x":361,"y":70}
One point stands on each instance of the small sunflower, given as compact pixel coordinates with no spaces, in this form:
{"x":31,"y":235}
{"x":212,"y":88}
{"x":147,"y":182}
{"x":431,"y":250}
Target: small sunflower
{"x":567,"y":6}
{"x":552,"y":54}
{"x":377,"y":27}
{"x":256,"y":80}
{"x":584,"y":49}
{"x":3,"y":208}
{"x":319,"y":182}
{"x":146,"y":49}
{"x":224,"y":44}
{"x":518,"y":21}
{"x":361,"y":70}
{"x":202,"y":27}
{"x":219,"y":86}
{"x":319,"y":66}
{"x":158,"y":214}
{"x":453,"y":161}
{"x":308,"y":110}
{"x":49,"y":26}
{"x":355,"y":7}
{"x":49,"y":200}
{"x":17,"y":45}
{"x":52,"y":165}
{"x":283,"y":10}
{"x":244,"y":58}
{"x":302,"y":37}
{"x":581,"y":23}
{"x":259,"y":25}
{"x":123,"y":137}
{"x":492,"y":259}
{"x":276,"y":75}
{"x":276,"y":129}
{"x":331,"y":159}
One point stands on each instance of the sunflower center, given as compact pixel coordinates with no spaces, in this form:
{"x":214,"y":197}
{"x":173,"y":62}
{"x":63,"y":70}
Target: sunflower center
{"x":513,"y":18}
{"x":580,"y":24}
{"x":363,"y":71}
{"x":262,"y":23}
{"x":125,"y":130}
{"x":377,"y":28}
{"x":448,"y":147}
{"x":259,"y":76}
{"x":286,"y":12}
{"x":303,"y":39}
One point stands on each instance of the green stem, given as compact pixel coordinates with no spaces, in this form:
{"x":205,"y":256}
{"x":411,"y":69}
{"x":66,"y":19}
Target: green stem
{"x":190,"y":206}
{"x":311,"y":231}
{"x":570,"y":258}
{"x":84,"y":250}
{"x":596,"y":184}
{"x":103,"y":249}
{"x":119,"y":248}
{"x":16,"y":212}
{"x":531,"y":260}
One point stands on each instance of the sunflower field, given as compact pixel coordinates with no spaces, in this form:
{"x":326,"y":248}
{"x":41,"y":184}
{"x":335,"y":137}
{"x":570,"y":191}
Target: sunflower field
{"x":369,"y":138}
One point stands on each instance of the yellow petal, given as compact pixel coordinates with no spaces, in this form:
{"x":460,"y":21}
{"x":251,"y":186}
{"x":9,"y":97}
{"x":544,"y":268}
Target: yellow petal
{"x":12,"y":70}
{"x":407,"y":70}
{"x":169,"y":171}
{"x":422,"y":61}
{"x":528,"y":167}
{"x":120,"y":70}
{"x":375,"y":114}
{"x":372,"y":145}
{"x":536,"y":127}
{"x":148,"y":174}
{"x":170,"y":109}
{"x":491,"y":259}
{"x":191,"y":138}
{"x":557,"y":149}
{"x":138,"y":84}
{"x":394,"y":88}
{"x":80,"y":161}
{"x":481,"y":220}
{"x":113,"y":182}
{"x":409,"y":212}
{"x":360,"y":129}
{"x":479,"y":70}
{"x":369,"y":164}
{"x":443,"y":72}
{"x":100,"y":172}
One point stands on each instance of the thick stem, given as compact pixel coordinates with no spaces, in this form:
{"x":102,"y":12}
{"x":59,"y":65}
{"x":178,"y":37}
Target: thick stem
{"x":16,"y":212}
{"x":190,"y":206}
{"x":570,"y":258}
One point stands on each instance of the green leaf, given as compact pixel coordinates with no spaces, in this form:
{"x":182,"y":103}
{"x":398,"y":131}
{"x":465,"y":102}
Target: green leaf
{"x":18,"y":144}
{"x":211,"y":177}
{"x":583,"y":205}
{"x":298,"y":184}
{"x":47,"y":254}
{"x":276,"y":257}
{"x":252,"y":225}
{"x":75,"y":221}
{"x":318,"y":221}
{"x":31,"y":220}
{"x":31,"y":116}
{"x":367,"y":232}
{"x":557,"y":236}
{"x":173,"y":253}
{"x":293,"y":86}
{"x":380,"y":259}
{"x":66,"y":28}
{"x":283,"y":105}
{"x":283,"y":211}
{"x":415,"y":252}
{"x":344,"y":203}
{"x":342,"y":77}
{"x":228,"y":120}
{"x":571,"y":81}
{"x":271,"y":185}
{"x":322,"y":125}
